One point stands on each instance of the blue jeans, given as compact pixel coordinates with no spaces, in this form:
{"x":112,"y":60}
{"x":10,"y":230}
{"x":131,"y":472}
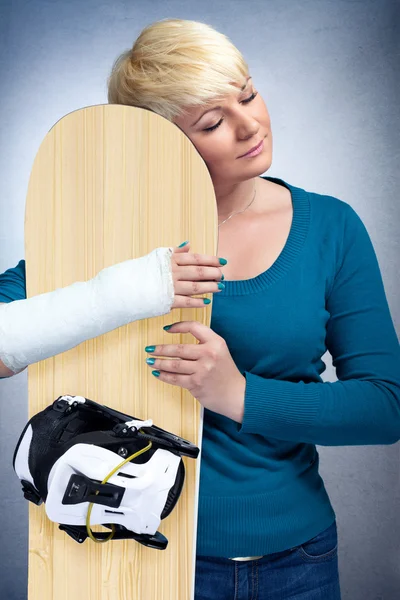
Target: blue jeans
{"x":305,"y":572}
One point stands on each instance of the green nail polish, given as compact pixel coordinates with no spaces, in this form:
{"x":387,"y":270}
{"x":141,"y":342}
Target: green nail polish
{"x":223,"y":261}
{"x":206,"y":300}
{"x":149,"y":348}
{"x":221,"y":286}
{"x":183,"y":244}
{"x":150,"y":361}
{"x":156,"y":373}
{"x":222,"y":277}
{"x":166,"y":327}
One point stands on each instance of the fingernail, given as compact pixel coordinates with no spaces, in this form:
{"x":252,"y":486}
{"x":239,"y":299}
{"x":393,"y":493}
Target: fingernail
{"x":167,"y":327}
{"x":221,"y":286}
{"x":223,"y":261}
{"x":156,"y":373}
{"x":149,"y":348}
{"x":222,"y":277}
{"x":206,"y":300}
{"x":150,"y":361}
{"x":183,"y":244}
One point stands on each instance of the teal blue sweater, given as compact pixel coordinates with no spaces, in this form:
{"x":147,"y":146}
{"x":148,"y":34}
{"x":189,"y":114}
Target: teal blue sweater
{"x":260,"y":490}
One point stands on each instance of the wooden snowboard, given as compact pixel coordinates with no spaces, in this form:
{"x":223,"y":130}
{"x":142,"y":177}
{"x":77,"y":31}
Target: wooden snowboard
{"x":110,"y":183}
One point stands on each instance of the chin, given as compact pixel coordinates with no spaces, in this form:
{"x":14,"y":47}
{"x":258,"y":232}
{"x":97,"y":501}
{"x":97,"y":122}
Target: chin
{"x":263,"y":164}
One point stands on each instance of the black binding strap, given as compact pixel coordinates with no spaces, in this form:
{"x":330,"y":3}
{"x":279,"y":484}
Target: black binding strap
{"x":79,"y":534}
{"x":161,"y":437}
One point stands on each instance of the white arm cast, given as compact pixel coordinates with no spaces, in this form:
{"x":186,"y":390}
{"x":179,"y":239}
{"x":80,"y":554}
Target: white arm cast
{"x":36,"y":328}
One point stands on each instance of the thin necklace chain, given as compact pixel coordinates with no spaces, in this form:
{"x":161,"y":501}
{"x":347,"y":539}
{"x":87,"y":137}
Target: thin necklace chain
{"x":240,"y":211}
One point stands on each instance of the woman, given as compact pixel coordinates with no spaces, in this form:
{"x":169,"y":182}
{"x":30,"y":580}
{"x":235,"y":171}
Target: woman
{"x":302,"y":278}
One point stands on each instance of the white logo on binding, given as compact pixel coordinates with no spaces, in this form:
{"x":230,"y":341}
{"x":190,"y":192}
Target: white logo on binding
{"x":72,"y":399}
{"x":136,"y":424}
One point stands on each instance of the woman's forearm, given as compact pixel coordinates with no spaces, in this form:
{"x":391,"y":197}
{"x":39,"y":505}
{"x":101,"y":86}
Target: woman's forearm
{"x":42,"y":326}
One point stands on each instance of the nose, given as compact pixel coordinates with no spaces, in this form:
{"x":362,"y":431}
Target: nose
{"x":250,"y":132}
{"x":248,"y":128}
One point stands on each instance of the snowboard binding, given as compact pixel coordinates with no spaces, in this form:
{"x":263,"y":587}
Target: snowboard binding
{"x":69,"y":457}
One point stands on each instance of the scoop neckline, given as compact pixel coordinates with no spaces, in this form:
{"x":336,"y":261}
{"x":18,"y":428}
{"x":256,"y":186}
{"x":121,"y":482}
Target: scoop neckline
{"x":289,"y":253}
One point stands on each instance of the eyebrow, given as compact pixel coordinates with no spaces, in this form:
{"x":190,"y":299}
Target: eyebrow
{"x":215,"y":107}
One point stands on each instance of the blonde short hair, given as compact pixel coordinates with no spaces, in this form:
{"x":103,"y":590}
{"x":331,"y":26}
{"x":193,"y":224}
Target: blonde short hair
{"x":174,"y":64}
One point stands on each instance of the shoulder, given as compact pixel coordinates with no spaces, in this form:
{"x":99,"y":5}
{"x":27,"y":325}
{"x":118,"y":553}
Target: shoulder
{"x":334,"y":215}
{"x":336,"y":230}
{"x":330,"y":206}
{"x":344,"y":232}
{"x":340,"y":217}
{"x":323,"y":207}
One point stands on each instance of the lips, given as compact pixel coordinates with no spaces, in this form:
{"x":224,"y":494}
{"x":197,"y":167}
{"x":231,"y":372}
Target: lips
{"x":252,"y":149}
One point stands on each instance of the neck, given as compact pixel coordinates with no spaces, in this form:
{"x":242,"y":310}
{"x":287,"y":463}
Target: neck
{"x":233,"y":197}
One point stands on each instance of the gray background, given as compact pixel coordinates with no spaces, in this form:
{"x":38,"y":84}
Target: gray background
{"x":329,"y":74}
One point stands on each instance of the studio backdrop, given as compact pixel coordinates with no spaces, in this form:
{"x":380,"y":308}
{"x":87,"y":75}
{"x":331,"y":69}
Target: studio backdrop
{"x":329,"y":74}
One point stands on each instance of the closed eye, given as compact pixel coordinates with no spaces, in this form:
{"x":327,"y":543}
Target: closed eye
{"x":254,"y":94}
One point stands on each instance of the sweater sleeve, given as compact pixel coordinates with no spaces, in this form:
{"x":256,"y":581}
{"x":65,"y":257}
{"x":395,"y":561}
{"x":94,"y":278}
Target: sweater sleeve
{"x":363,"y":406}
{"x":12,"y":283}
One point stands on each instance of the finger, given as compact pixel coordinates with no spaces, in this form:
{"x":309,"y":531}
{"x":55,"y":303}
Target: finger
{"x":183,"y":381}
{"x":185,"y":351}
{"x":199,"y":273}
{"x":193,"y":288}
{"x":200,"y":331}
{"x":174,"y":365}
{"x":194,"y":258}
{"x":181,"y":249}
{"x":189,"y":302}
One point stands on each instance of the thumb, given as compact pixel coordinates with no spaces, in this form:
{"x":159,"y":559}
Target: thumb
{"x":200,"y":331}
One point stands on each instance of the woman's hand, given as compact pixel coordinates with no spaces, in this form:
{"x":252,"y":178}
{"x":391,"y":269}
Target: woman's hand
{"x":194,"y":274}
{"x":206,"y":369}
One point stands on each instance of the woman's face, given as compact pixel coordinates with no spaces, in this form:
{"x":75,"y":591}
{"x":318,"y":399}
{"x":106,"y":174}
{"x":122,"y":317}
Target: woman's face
{"x":239,"y":123}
